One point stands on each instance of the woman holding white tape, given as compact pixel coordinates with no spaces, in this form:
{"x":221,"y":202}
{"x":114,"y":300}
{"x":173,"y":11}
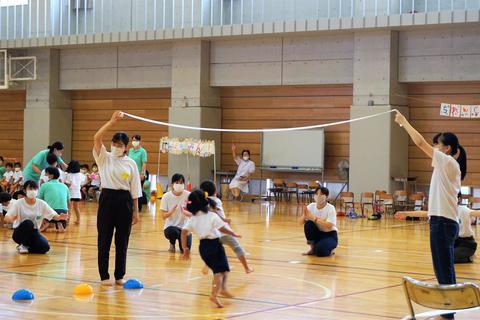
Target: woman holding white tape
{"x":118,"y":203}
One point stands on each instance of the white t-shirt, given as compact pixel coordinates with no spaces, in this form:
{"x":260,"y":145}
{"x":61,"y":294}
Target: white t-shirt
{"x":17,"y":176}
{"x":10,"y":204}
{"x":169,"y":200}
{"x":444,"y":186}
{"x":44,"y":178}
{"x":205,"y":225}
{"x":118,"y":173}
{"x":75,"y":181}
{"x":245,"y":168}
{"x":36,"y":213}
{"x":327,"y":213}
{"x":8,"y":176}
{"x":465,"y":222}
{"x":220,"y":212}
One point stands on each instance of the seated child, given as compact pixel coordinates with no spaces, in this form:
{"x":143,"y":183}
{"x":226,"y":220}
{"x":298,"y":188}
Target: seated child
{"x":7,"y":177}
{"x":17,"y":178}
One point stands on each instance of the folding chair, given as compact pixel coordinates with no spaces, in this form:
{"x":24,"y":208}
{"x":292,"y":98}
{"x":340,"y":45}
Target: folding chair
{"x":441,"y":297}
{"x":347,"y":198}
{"x":366,"y":199}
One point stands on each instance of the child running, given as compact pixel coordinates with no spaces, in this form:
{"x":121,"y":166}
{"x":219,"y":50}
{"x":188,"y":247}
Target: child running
{"x":207,"y":226}
{"x":226,"y":239}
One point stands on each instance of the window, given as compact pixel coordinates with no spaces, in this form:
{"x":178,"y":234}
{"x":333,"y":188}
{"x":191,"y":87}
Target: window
{"x":8,"y":3}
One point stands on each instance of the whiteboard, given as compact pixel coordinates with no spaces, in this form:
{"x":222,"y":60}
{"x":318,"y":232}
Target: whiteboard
{"x":293,"y":149}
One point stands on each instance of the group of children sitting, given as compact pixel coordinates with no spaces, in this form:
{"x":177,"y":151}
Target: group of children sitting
{"x":62,"y":191}
{"x":11,"y":176}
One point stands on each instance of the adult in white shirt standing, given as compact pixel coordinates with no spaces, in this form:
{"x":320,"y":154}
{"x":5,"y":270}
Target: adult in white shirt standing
{"x":246,"y":168}
{"x":319,"y":222}
{"x":442,"y":203}
{"x":171,"y":208}
{"x":27,"y":215}
{"x":118,"y":203}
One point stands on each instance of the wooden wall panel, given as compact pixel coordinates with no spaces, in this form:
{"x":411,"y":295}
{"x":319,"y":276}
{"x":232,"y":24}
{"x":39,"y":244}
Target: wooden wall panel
{"x":92,"y":108}
{"x":424,"y":100}
{"x":286,"y":106}
{"x":12,"y":105}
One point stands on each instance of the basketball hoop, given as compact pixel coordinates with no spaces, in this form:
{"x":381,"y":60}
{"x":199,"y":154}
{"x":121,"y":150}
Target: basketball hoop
{"x":16,"y":69}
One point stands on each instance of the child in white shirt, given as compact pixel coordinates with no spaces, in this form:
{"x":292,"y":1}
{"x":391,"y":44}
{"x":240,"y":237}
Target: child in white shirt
{"x":210,"y":188}
{"x":74,"y":182}
{"x":17,"y":179}
{"x":207,"y":226}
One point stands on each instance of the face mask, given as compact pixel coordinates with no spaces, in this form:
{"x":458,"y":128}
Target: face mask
{"x":116,"y":151}
{"x":135,"y":143}
{"x":31,"y":194}
{"x":246,"y":158}
{"x":178,"y":187}
{"x":320,"y":199}
{"x":17,"y":169}
{"x":83,"y":171}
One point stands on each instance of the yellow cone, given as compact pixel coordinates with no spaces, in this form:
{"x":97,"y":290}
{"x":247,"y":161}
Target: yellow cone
{"x":83,"y":289}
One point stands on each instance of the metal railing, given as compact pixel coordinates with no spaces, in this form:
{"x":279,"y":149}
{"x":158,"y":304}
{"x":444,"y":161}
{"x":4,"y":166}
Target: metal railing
{"x":45,"y":18}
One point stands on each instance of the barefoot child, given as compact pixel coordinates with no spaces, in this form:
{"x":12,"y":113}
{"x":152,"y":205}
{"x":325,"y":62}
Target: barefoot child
{"x":210,"y":188}
{"x":207,"y":226}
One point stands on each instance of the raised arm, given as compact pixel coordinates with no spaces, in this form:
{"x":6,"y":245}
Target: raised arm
{"x":97,"y":139}
{"x":417,"y":138}
{"x":234,"y":152}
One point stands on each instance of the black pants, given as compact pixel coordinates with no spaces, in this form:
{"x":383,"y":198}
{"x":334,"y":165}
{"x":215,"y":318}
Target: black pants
{"x":464,"y":249}
{"x":173,"y":234}
{"x":29,"y":236}
{"x":443,"y":232}
{"x":323,"y":242}
{"x":115,"y":210}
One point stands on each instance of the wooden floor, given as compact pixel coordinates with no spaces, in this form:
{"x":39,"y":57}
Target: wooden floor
{"x":361,"y":281}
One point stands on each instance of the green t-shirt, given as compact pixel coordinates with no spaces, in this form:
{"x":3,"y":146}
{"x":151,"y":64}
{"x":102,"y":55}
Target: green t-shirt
{"x":55,"y":194}
{"x":139,"y":156}
{"x":2,"y":170}
{"x":40,"y":160}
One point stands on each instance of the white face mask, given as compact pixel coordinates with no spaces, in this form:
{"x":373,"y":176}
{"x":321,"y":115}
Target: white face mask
{"x":178,"y":187}
{"x":31,"y":194}
{"x":17,"y":169}
{"x":135,"y":143}
{"x":116,"y":151}
{"x":320,"y":199}
{"x":246,"y":158}
{"x":83,"y":171}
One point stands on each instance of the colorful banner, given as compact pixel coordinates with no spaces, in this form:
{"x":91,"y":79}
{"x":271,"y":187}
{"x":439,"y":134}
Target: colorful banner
{"x":195,"y":147}
{"x":460,"y":111}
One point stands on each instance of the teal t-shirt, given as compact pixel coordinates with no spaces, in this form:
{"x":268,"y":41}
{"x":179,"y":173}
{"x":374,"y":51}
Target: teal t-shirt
{"x":55,"y":194}
{"x":40,"y":160}
{"x":139,"y":156}
{"x":2,"y":170}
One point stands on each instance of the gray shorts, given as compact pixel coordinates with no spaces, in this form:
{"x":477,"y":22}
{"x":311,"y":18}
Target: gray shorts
{"x":233,"y":243}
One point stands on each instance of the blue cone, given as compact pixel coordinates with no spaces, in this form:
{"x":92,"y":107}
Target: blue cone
{"x":22,"y":294}
{"x":133,"y":284}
